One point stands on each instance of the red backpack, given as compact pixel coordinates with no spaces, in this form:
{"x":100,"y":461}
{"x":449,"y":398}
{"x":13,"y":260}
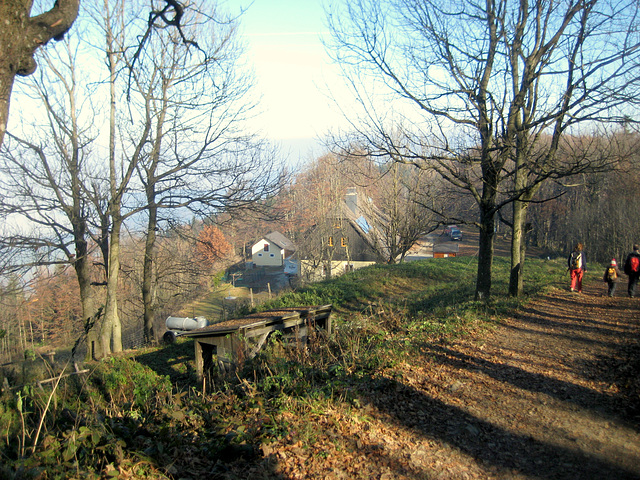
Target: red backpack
{"x":634,"y":263}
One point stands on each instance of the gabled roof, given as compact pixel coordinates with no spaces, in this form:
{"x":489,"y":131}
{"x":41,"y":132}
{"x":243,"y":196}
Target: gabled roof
{"x":281,"y":241}
{"x":364,"y":222}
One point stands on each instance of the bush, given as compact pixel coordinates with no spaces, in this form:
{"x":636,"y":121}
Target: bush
{"x":126,"y":382}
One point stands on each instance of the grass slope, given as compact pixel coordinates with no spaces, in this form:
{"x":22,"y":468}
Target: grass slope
{"x":144,"y":415}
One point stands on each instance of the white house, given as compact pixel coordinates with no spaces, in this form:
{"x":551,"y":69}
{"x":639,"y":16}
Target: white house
{"x":271,"y":250}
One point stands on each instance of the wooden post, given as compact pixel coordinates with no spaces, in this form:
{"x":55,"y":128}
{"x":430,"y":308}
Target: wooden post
{"x":199,"y":359}
{"x":269,"y":288}
{"x":251,"y":293}
{"x":224,"y":310}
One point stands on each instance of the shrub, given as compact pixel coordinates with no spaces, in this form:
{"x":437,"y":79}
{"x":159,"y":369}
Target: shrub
{"x":126,"y":382}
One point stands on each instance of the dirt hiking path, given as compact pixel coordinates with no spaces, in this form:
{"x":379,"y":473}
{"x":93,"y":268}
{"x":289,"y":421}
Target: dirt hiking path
{"x":549,"y":394}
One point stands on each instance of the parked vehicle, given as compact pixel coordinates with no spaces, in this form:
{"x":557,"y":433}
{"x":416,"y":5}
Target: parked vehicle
{"x":456,"y":235}
{"x":448,"y":228}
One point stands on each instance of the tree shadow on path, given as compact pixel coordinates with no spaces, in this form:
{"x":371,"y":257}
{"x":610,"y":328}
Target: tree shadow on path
{"x":540,"y":397}
{"x":505,"y":453}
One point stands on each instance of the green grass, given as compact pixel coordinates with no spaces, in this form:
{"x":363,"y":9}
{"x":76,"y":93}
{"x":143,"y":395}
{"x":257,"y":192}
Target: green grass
{"x":137,"y":414}
{"x":211,"y":305}
{"x":428,"y":287}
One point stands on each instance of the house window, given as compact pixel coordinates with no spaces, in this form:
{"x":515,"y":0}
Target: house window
{"x":331,"y":241}
{"x":337,"y":224}
{"x":266,"y":247}
{"x":343,"y":242}
{"x":259,"y":254}
{"x":272,"y":255}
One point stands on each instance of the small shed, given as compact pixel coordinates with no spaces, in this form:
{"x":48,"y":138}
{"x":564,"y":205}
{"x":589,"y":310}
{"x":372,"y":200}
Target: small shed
{"x":232,"y":340}
{"x":445,"y":250}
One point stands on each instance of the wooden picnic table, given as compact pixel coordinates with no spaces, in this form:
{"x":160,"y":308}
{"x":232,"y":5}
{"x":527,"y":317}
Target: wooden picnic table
{"x":231,"y":340}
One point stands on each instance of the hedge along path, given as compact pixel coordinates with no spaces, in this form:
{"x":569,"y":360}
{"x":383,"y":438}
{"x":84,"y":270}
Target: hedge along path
{"x":552,"y":392}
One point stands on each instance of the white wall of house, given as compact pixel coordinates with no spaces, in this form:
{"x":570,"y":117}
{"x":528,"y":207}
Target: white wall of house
{"x":267,"y":254}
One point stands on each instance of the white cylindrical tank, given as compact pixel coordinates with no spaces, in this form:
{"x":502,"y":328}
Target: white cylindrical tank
{"x":186,"y":323}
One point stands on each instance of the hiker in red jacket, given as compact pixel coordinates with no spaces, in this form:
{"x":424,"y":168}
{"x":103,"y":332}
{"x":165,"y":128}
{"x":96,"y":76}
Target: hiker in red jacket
{"x":632,"y":268}
{"x":577,"y":266}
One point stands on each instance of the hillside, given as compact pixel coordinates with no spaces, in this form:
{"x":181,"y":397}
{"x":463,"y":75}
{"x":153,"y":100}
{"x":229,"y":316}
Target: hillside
{"x":416,"y":383}
{"x":552,"y":392}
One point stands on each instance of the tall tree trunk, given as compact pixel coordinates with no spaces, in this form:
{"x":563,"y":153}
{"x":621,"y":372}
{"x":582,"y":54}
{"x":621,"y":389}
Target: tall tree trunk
{"x":518,"y":240}
{"x":487,"y":204}
{"x":111,"y":332}
{"x":148,"y":280}
{"x":517,"y":249}
{"x":82,"y":266}
{"x":485,"y":255}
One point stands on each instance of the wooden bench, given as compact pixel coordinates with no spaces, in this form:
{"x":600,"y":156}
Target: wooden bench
{"x":243,"y":337}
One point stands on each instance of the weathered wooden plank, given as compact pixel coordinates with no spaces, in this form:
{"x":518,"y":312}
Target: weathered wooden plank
{"x":256,"y":348}
{"x":246,"y":336}
{"x":255,"y":332}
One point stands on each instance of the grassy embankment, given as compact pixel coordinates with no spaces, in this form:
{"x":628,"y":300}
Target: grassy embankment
{"x":143,"y":415}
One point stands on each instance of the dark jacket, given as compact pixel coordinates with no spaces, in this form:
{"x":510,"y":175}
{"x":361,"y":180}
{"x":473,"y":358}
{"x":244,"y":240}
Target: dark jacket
{"x":627,"y":263}
{"x":584,"y":259}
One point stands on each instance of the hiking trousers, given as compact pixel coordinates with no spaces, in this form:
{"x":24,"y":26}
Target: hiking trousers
{"x":576,"y":279}
{"x":633,"y":283}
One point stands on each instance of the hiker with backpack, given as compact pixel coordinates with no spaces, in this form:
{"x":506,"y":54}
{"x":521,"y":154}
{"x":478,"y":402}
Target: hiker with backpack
{"x":632,"y":268}
{"x":611,"y":275}
{"x":577,"y":266}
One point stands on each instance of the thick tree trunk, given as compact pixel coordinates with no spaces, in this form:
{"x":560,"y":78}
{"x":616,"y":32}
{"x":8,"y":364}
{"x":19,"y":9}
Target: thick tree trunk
{"x":517,"y":249}
{"x":149,"y":280}
{"x":112,"y":331}
{"x":520,"y":208}
{"x":485,"y":255}
{"x":82,"y":267}
{"x":21,"y":35}
{"x":487,"y":204}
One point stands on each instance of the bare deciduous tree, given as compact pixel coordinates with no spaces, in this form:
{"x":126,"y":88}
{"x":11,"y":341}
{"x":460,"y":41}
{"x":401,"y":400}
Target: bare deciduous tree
{"x":406,"y":202}
{"x":197,"y":157}
{"x":45,"y":177}
{"x":474,"y":82}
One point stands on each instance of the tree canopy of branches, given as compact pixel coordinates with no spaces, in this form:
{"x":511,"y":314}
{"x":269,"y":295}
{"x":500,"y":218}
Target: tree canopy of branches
{"x":406,"y":201}
{"x":599,"y":212}
{"x":487,"y":94}
{"x":173,"y":139}
{"x":21,"y":35}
